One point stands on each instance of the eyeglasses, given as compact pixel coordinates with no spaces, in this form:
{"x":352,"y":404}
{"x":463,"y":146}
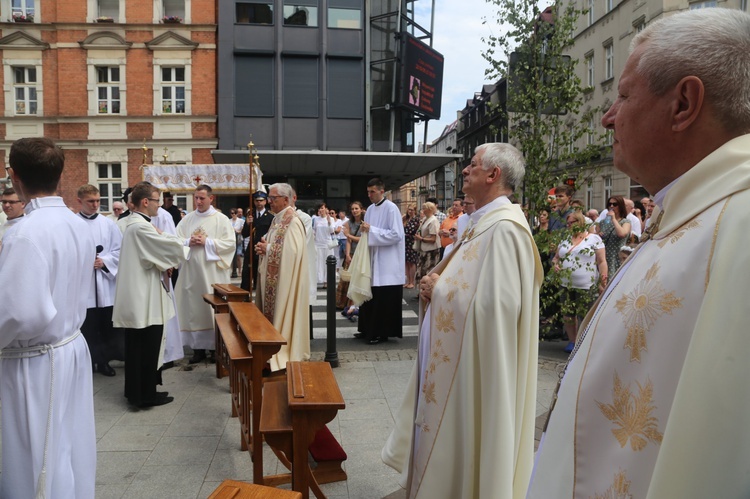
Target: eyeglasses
{"x":611,"y":204}
{"x":465,"y":203}
{"x":4,"y":201}
{"x":154,"y":200}
{"x":273,"y":198}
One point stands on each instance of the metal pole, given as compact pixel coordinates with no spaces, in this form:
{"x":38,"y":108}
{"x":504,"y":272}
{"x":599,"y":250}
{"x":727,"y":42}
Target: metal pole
{"x":332,"y":356}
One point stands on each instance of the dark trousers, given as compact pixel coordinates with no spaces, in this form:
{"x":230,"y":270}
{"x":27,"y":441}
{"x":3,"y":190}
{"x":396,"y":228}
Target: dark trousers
{"x":141,"y":356}
{"x":380,"y":317}
{"x":100,"y":335}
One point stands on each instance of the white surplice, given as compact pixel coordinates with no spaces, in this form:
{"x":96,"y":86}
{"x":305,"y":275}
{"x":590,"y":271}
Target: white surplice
{"x":172,"y":338}
{"x":283,"y":291}
{"x":205,"y":265}
{"x":654,"y":402}
{"x":141,"y":299}
{"x":311,"y":253}
{"x":107,"y":235}
{"x":466,"y":426}
{"x":45,"y":268}
{"x":386,"y":241}
{"x":5,"y":226}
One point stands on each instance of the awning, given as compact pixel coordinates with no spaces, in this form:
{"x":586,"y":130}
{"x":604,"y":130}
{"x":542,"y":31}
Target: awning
{"x":395,"y":168}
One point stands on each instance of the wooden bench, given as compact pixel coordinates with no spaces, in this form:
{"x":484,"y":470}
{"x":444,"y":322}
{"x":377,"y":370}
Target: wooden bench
{"x":238,"y":358}
{"x":219,"y":300}
{"x":294,"y":411}
{"x":231,"y":489}
{"x":264,"y":342}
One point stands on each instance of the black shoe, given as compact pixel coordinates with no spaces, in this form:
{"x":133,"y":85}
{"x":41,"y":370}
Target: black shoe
{"x":211,"y":358}
{"x":105,"y":369}
{"x":198,"y":356}
{"x":358,"y":336}
{"x":373,"y":341}
{"x":157,"y":402}
{"x":162,"y":394}
{"x":234,"y":275}
{"x":167,"y":365}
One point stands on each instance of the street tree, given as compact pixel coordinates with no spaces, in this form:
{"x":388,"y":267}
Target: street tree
{"x":544,"y":113}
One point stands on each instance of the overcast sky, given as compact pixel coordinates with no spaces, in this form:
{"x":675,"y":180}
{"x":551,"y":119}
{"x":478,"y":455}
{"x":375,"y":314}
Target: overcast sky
{"x":458,"y":36}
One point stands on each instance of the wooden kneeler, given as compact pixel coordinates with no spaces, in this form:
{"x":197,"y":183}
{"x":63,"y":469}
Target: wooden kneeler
{"x":293,"y":413}
{"x":219,"y":301}
{"x":231,"y":489}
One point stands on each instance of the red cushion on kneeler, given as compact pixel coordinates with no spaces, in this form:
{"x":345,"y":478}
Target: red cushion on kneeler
{"x":325,"y":447}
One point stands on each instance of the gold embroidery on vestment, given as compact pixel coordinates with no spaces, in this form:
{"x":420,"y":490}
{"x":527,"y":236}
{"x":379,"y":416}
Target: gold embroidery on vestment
{"x":676,"y":236}
{"x":642,"y":307}
{"x":631,"y":415}
{"x":457,"y":283}
{"x":444,"y":321}
{"x":471,"y":252}
{"x":620,"y":489}
{"x":429,"y":392}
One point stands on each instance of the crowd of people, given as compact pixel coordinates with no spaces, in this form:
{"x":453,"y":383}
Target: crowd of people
{"x":580,"y":253}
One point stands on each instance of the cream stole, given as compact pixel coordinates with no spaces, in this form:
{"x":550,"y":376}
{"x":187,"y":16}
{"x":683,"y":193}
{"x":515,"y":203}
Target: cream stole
{"x":273,"y":261}
{"x":634,"y":347}
{"x":452,"y":298}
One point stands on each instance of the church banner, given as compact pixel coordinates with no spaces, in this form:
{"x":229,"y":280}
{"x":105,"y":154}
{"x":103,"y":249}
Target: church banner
{"x":185,"y":178}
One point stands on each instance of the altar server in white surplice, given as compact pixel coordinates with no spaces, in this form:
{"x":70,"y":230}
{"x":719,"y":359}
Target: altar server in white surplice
{"x":142,"y":302}
{"x":212,"y":242}
{"x":49,"y":442}
{"x":173,"y":338}
{"x":283,"y":288}
{"x":380,"y":317}
{"x":13,"y":210}
{"x":465,"y":429}
{"x":104,"y":342}
{"x":654,"y":402}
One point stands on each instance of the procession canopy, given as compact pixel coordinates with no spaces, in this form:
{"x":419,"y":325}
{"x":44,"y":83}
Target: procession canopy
{"x":223,"y":179}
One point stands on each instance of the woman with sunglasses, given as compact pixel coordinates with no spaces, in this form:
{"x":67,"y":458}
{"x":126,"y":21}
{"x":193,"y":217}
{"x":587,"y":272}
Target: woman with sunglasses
{"x":614,"y":231}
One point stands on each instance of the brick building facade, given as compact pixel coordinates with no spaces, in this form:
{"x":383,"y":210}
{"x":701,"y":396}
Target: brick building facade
{"x":103,"y":77}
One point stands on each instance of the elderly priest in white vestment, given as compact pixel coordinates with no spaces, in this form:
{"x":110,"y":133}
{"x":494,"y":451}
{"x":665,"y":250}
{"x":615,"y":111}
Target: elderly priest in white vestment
{"x":211,"y":238}
{"x":48,"y":437}
{"x":283,"y":292}
{"x":654,"y":403}
{"x":143,"y":305}
{"x":466,"y":426}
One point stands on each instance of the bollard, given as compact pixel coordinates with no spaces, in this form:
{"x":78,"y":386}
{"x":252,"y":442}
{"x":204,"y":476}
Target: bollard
{"x":332,"y":356}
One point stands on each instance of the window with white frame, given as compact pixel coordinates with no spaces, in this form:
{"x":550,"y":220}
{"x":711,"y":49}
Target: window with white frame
{"x":609,"y":62}
{"x":590,"y":13}
{"x":174,"y":9}
{"x":108,"y":89}
{"x":590,"y":69}
{"x":172,"y":90}
{"x":24,"y":90}
{"x":22,"y":10}
{"x":109,"y":181}
{"x":609,"y":5}
{"x":108,"y":9}
{"x":607,"y":187}
{"x":590,"y":132}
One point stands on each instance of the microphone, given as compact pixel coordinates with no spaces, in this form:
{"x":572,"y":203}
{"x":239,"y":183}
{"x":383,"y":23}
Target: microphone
{"x":99,"y":248}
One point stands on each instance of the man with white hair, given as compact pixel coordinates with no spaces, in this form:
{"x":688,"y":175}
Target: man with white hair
{"x":283,"y":291}
{"x":118,"y":207}
{"x":653,"y":402}
{"x":466,"y":425}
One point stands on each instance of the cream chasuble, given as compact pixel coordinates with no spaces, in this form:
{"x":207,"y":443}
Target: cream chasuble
{"x":469,"y":408}
{"x":205,"y":265}
{"x":655,"y":402}
{"x":283,"y":289}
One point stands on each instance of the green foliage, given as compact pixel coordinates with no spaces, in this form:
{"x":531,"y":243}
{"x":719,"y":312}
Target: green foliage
{"x":545,"y":112}
{"x":545,"y":95}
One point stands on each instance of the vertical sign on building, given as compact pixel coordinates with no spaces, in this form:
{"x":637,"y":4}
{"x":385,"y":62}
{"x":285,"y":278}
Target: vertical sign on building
{"x":421,"y":77}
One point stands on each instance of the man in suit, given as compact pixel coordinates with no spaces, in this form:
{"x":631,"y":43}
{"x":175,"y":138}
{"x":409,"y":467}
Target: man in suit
{"x":261,"y":220}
